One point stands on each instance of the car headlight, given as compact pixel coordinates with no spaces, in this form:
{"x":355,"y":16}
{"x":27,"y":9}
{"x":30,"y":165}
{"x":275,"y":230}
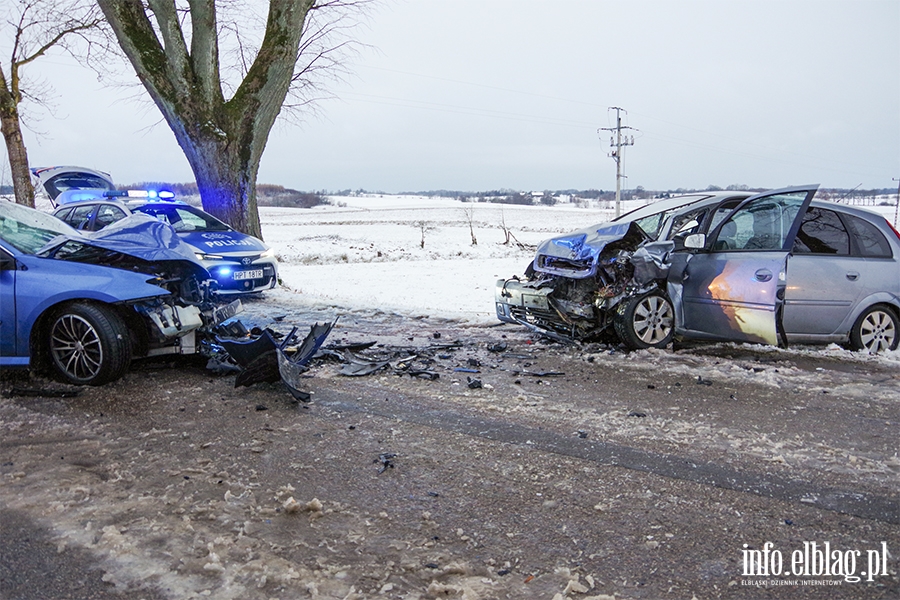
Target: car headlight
{"x":270,"y":253}
{"x":201,"y":256}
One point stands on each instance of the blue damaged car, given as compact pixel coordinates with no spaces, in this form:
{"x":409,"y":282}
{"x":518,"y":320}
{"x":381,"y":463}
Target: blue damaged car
{"x":84,"y":305}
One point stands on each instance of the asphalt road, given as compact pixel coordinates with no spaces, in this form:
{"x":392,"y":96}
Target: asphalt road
{"x":571,"y":472}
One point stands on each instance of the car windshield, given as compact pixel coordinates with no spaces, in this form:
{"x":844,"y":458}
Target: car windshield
{"x":183,"y":217}
{"x":28,"y":230}
{"x":651,"y":217}
{"x":75,"y":181}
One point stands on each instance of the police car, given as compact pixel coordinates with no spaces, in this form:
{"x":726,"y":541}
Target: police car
{"x":240,"y":263}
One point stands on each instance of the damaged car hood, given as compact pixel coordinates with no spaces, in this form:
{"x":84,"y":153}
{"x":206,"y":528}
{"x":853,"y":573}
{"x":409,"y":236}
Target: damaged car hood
{"x":576,"y":254}
{"x":143,"y":237}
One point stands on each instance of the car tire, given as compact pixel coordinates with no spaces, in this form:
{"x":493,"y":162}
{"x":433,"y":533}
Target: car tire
{"x":646,"y":321}
{"x":876,"y":330}
{"x":88,"y":344}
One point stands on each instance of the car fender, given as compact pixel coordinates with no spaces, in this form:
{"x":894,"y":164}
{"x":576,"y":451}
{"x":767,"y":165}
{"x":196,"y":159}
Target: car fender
{"x":864,"y":304}
{"x":70,"y":281}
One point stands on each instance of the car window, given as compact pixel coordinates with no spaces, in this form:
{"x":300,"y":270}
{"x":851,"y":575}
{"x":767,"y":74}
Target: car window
{"x":763,"y":224}
{"x":107,"y":214}
{"x":721,"y":212}
{"x":75,"y":181}
{"x":80,"y":217}
{"x":687,"y":223}
{"x":28,"y":230}
{"x":183,"y":218}
{"x":869,"y":240}
{"x":822,"y":232}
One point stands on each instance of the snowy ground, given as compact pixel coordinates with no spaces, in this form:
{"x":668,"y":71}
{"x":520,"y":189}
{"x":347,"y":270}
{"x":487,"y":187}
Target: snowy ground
{"x":368,"y":253}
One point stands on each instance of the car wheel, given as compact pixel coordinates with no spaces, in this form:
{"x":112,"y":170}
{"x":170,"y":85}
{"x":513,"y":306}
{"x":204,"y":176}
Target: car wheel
{"x":876,"y":330}
{"x":89,"y":344}
{"x":646,"y":321}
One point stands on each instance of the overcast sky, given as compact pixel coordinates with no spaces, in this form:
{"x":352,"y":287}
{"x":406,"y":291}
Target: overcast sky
{"x":488,"y":94}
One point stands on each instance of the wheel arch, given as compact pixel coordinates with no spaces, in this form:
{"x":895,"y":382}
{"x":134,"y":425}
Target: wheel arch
{"x":38,"y":347}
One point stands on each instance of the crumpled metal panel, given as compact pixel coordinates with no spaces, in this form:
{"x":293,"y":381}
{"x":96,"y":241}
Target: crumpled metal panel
{"x":144,"y":237}
{"x":578,"y":252}
{"x":651,"y":262}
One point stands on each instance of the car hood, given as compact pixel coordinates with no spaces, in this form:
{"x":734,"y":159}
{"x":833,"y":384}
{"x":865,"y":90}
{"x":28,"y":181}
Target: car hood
{"x":576,"y":254}
{"x":223,"y":242}
{"x":143,"y":237}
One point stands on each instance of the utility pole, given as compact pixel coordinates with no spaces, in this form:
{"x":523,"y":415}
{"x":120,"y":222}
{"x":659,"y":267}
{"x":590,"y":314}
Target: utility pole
{"x":896,"y":208}
{"x":617,"y":142}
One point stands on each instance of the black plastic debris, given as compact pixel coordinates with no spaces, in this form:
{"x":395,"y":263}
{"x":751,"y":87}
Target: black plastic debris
{"x":543,"y":373}
{"x":701,"y":381}
{"x":245,"y":350}
{"x":387,"y":461}
{"x":292,"y":366}
{"x":50,"y":392}
{"x":358,"y":366}
{"x":582,"y":433}
{"x":498,"y":347}
{"x":637,"y":413}
{"x":474,"y":384}
{"x":261,"y":407}
{"x":267,"y":360}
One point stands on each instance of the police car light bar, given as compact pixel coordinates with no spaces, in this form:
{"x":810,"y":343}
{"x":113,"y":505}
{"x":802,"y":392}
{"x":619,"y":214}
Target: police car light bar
{"x":162,"y":195}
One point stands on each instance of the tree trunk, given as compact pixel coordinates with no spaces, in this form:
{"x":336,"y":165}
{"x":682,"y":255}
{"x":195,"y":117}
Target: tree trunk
{"x":222,"y":140}
{"x":15,"y":149}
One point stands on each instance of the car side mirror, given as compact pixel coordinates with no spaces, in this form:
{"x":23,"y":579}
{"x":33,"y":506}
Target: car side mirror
{"x":695,"y":241}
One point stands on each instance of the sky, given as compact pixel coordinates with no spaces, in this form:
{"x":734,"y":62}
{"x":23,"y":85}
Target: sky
{"x":491,"y":94}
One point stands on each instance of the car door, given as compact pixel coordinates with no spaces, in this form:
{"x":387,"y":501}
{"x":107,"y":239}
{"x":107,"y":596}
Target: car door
{"x":7,"y":304}
{"x":825,"y":277}
{"x":733,"y":288}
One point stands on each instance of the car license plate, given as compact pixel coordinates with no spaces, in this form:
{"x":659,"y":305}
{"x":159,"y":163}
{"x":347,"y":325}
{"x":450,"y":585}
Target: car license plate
{"x":254,"y":274}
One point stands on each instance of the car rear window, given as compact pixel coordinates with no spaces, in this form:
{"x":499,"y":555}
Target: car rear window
{"x":75,"y":181}
{"x":870,"y":241}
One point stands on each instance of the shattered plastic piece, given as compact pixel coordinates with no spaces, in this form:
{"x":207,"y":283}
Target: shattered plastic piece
{"x":543,"y":373}
{"x":498,"y":347}
{"x":293,"y":366}
{"x":465,"y":370}
{"x":701,"y":381}
{"x":474,"y":383}
{"x":358,"y":367}
{"x":637,"y":413}
{"x":263,"y":369}
{"x":386,"y":460}
{"x":244,"y":351}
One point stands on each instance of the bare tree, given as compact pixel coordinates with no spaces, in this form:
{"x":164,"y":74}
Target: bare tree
{"x":221,"y":100}
{"x":423,"y":227}
{"x":38,"y":26}
{"x":469,"y":212}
